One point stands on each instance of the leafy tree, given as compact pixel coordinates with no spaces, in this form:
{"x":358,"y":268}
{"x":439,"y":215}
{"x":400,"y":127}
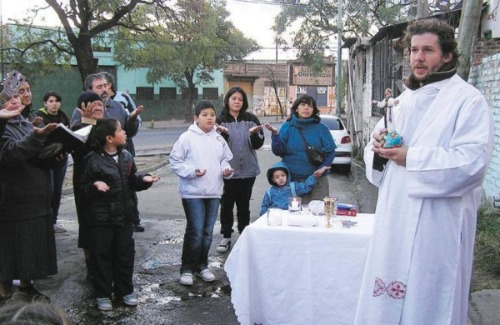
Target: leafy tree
{"x":310,"y":25}
{"x":186,"y":47}
{"x":83,"y":25}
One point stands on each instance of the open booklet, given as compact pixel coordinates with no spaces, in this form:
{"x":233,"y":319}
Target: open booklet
{"x":63,"y":140}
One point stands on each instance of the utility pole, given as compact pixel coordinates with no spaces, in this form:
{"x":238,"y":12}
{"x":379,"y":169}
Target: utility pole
{"x":338,"y":77}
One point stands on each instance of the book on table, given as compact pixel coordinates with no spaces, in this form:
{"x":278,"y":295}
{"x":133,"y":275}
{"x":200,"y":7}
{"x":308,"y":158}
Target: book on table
{"x":349,"y":213}
{"x":344,"y":209}
{"x":63,"y":140}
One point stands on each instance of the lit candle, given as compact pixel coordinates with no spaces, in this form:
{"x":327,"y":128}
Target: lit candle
{"x":295,"y":204}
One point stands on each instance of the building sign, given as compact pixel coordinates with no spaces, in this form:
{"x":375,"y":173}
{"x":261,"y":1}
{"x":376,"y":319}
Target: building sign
{"x":304,"y":75}
{"x":263,"y":70}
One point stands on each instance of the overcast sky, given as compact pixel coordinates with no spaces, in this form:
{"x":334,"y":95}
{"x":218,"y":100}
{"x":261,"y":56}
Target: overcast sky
{"x":253,"y":19}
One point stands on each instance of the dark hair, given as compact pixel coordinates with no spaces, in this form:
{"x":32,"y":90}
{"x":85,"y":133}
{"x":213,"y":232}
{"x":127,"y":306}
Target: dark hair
{"x":110,"y":79}
{"x":51,"y":94}
{"x":91,"y":78}
{"x":306,"y":99}
{"x":204,"y":104}
{"x":445,"y":34}
{"x":87,"y":97}
{"x":32,"y":313}
{"x":231,"y":92}
{"x":103,"y":128}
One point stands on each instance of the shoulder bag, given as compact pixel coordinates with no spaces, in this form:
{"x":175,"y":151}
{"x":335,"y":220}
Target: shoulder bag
{"x":316,"y":157}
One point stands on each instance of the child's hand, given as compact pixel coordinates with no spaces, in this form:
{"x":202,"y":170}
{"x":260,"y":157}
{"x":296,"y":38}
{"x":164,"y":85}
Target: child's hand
{"x":151,"y":178}
{"x":271,"y":128}
{"x":101,"y":186}
{"x":200,"y":172}
{"x":318,"y":173}
{"x":227,"y":172}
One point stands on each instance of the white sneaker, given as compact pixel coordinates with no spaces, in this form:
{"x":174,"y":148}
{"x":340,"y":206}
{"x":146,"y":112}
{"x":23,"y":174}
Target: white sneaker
{"x":206,"y":275}
{"x":224,"y":245}
{"x":186,"y":279}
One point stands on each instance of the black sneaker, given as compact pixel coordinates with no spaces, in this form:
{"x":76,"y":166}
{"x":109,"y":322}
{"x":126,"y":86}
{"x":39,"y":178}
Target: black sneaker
{"x":138,"y":228}
{"x":36,"y":296}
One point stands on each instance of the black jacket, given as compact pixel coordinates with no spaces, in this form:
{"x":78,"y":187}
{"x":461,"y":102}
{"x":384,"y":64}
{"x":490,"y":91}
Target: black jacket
{"x":24,"y":179}
{"x":116,"y":206}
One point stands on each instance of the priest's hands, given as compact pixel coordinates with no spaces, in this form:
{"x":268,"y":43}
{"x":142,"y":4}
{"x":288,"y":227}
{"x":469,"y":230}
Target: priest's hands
{"x":396,"y":154}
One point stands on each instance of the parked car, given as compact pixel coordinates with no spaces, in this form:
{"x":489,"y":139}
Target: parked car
{"x":343,"y":153}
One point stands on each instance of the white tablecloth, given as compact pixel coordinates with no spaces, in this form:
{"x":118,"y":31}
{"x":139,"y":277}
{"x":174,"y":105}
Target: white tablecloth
{"x":298,"y":275}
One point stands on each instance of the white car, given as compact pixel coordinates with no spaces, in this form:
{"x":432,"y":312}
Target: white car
{"x":343,"y":153}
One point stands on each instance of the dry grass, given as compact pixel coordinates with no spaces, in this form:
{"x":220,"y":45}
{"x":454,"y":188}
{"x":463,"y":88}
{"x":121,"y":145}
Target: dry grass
{"x":486,"y":273}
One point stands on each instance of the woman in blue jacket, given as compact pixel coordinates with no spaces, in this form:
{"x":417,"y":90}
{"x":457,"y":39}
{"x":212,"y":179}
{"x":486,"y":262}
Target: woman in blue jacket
{"x":289,"y":145}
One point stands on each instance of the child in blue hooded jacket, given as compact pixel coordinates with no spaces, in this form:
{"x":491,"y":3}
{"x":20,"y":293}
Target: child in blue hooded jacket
{"x":282,"y":189}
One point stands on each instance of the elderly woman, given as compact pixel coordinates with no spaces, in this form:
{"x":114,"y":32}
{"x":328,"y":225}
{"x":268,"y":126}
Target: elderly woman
{"x":303,"y":128}
{"x":27,"y":243}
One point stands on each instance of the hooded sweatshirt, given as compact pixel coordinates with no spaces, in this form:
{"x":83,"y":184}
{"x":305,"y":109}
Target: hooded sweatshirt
{"x":196,"y":149}
{"x":277,"y":197}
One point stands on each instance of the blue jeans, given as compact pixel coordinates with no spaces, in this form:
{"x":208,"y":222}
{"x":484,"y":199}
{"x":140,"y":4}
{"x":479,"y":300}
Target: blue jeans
{"x":201,"y":215}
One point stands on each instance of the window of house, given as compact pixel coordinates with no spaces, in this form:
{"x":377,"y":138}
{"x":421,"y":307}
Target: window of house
{"x":168,"y":93}
{"x":145,"y":93}
{"x":211,"y":93}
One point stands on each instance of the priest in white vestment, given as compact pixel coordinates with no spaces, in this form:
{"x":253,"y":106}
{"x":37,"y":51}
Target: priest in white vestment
{"x":420,"y":258}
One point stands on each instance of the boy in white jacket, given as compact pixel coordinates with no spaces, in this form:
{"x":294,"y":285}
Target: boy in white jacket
{"x":200,"y":157}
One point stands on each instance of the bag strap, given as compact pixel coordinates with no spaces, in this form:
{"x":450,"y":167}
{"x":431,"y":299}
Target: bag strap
{"x":303,"y":137}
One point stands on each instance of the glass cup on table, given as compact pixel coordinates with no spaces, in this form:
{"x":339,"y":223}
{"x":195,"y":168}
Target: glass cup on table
{"x":274,"y":217}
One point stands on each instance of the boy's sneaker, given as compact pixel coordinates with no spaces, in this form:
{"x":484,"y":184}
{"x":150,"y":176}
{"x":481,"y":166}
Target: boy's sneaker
{"x":186,"y":279}
{"x":104,"y":304}
{"x":206,"y":275}
{"x":130,"y":300}
{"x":224,"y":245}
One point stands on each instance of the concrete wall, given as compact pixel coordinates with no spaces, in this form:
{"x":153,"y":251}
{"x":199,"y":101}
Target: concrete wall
{"x":486,"y":77}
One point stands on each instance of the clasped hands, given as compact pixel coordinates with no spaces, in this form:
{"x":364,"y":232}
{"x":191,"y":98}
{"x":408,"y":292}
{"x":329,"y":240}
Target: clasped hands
{"x":396,"y":154}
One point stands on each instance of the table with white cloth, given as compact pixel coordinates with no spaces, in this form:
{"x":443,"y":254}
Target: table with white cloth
{"x":298,"y":275}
